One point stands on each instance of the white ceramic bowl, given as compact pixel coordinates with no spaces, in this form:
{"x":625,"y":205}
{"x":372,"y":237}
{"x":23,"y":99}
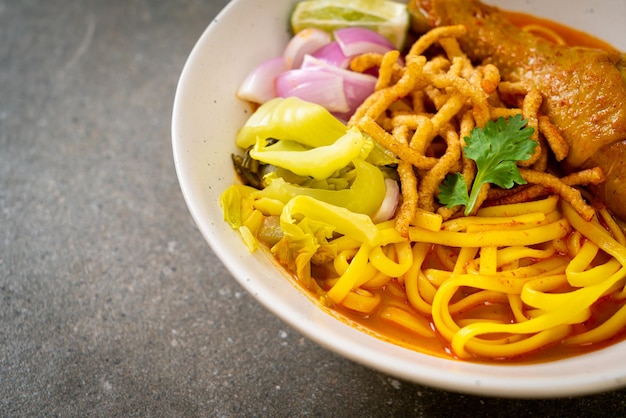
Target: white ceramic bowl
{"x":207,"y":115}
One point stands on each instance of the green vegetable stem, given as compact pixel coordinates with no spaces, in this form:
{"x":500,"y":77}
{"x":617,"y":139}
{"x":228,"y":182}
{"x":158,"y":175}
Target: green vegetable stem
{"x":365,"y":195}
{"x":291,"y":119}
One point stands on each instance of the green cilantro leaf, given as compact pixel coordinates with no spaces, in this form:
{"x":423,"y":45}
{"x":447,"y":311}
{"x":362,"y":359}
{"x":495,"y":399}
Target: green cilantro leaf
{"x":453,"y":190}
{"x":495,"y":148}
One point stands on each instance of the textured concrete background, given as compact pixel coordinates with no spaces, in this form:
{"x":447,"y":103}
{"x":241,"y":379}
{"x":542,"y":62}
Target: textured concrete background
{"x":111,"y":302}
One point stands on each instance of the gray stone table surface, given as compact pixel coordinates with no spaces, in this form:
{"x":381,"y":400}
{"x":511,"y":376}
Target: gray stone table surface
{"x":111,"y":303}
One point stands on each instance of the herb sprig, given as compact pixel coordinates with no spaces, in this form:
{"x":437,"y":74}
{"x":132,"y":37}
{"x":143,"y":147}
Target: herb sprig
{"x":496,"y":148}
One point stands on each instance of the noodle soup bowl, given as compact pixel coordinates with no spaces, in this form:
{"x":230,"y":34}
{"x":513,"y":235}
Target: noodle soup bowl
{"x":206,"y":117}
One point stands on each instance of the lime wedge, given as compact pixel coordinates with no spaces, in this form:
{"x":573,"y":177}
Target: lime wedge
{"x":389,"y":18}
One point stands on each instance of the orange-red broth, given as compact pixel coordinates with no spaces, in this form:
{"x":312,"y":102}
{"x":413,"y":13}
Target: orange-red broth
{"x":393,"y":293}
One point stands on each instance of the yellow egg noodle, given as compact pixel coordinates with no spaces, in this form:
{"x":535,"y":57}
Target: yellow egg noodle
{"x":532,"y":263}
{"x":524,"y":272}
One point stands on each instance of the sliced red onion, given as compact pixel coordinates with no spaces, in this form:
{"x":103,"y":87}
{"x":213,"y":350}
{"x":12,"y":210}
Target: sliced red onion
{"x":315,"y":69}
{"x":356,"y":86}
{"x":333,"y":55}
{"x":314,"y":85}
{"x":304,"y":42}
{"x":356,"y":41}
{"x":258,"y":86}
{"x":390,"y":202}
